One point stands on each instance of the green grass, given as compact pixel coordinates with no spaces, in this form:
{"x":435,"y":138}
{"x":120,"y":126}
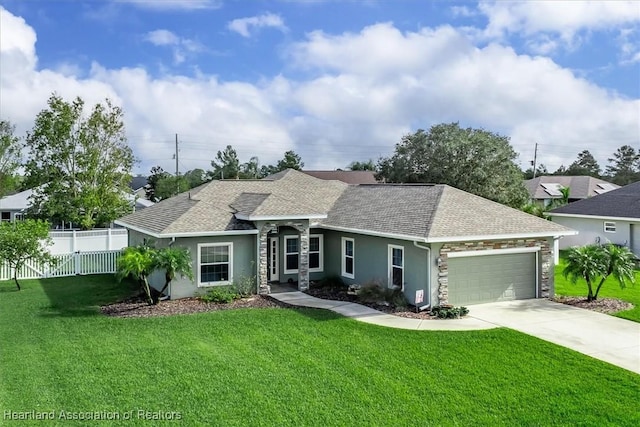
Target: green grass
{"x":610,"y":289}
{"x":286,"y":367}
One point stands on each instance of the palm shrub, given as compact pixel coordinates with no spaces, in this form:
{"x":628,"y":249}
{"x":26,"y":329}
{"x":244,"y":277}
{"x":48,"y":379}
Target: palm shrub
{"x":137,"y":262}
{"x":173,"y":260}
{"x":595,"y":263}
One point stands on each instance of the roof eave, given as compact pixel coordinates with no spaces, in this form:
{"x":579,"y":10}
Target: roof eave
{"x":570,"y":215}
{"x":278,"y":217}
{"x":446,"y":239}
{"x":169,"y":235}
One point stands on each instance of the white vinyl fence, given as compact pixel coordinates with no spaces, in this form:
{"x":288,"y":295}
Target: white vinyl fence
{"x":68,"y":242}
{"x":100,"y":262}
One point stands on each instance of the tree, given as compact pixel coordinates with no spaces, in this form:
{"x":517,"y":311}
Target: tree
{"x":226,"y":164}
{"x":473,"y":160}
{"x":593,"y":262}
{"x":79,"y":167}
{"x":21,"y":241}
{"x":585,"y":165}
{"x":290,"y":161}
{"x":369,"y":165}
{"x":251,"y":169}
{"x":157,"y":174}
{"x":171,"y":185}
{"x":10,"y":151}
{"x":624,"y":168}
{"x":195,"y":177}
{"x":137,"y":262}
{"x":173,"y":260}
{"x":541,"y":170}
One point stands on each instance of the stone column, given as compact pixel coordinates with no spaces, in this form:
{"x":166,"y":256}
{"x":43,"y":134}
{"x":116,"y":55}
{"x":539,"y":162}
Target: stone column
{"x":443,"y":280}
{"x":303,"y":266}
{"x":263,"y":262}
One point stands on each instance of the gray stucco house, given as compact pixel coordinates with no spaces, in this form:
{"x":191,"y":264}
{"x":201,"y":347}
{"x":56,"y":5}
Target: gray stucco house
{"x":610,"y":217}
{"x":545,"y":189}
{"x":452,"y":246}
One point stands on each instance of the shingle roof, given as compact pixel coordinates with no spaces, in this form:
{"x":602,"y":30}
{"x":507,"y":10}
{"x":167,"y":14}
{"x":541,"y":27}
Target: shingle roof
{"x":426,"y":212}
{"x":349,"y":177}
{"x":580,"y":187}
{"x":621,"y":203}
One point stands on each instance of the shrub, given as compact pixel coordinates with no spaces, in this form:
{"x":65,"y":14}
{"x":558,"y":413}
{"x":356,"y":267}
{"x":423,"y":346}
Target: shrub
{"x":372,"y":292}
{"x":329,"y":282}
{"x":220,"y":295}
{"x":449,"y":312}
{"x":244,"y":286}
{"x":395,"y":297}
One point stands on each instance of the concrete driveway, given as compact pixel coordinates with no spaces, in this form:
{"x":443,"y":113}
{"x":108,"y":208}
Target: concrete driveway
{"x":608,"y":338}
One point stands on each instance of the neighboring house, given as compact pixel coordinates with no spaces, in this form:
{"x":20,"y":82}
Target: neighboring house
{"x":610,"y":217}
{"x":349,"y":177}
{"x":138,"y":186}
{"x":13,"y":207}
{"x":449,"y":245}
{"x":544,"y":189}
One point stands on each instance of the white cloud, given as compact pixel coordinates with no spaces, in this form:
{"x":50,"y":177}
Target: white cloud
{"x":181,"y":47}
{"x":166,"y":5}
{"x":556,"y":23}
{"x":366,"y":90}
{"x":245,"y":26}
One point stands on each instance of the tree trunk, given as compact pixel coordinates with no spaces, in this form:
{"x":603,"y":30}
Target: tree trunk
{"x":147,"y":291}
{"x":15,"y":279}
{"x":595,"y":297}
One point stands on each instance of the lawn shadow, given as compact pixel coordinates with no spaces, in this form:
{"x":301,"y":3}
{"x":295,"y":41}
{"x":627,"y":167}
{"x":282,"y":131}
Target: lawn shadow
{"x":82,"y":296}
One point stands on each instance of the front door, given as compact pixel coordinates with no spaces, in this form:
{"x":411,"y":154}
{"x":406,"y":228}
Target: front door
{"x":274,"y":270}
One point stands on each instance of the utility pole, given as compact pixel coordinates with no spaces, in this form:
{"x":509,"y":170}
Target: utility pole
{"x":534,"y":163}
{"x":177,"y":170}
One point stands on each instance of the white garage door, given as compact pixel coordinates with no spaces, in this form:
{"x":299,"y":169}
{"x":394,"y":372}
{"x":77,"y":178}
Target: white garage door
{"x":491,"y":278}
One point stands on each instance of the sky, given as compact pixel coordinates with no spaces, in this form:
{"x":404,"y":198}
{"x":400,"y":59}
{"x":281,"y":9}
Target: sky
{"x":335,"y":81}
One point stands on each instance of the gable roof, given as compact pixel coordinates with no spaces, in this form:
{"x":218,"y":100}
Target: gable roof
{"x":138,"y":182}
{"x":580,"y":187}
{"x":349,"y":177}
{"x":429,"y":213}
{"x":16,"y":202}
{"x":621,"y":203}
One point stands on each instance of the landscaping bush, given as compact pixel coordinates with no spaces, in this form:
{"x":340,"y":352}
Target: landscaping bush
{"x":329,"y":282}
{"x":372,"y":292}
{"x":221,"y":295}
{"x":395,"y":297}
{"x":244,"y":286}
{"x":449,"y":312}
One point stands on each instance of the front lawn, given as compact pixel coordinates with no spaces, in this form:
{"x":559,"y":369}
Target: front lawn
{"x":286,"y":367}
{"x":610,"y":289}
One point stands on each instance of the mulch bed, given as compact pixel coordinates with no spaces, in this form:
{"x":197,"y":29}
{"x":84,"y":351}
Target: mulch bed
{"x":138,"y":307}
{"x":341,"y":295}
{"x":601,"y":305}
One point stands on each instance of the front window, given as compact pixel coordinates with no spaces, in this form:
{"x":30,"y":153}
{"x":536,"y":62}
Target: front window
{"x":396,"y":266}
{"x":609,"y":227}
{"x":215,"y":263}
{"x":291,"y":254}
{"x":6,"y":216}
{"x":315,"y":253}
{"x":348,"y":256}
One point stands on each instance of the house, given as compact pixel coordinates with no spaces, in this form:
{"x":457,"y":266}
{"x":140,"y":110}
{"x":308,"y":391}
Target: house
{"x":544,"y":189}
{"x":610,"y":217}
{"x":349,"y":177}
{"x":13,"y":207}
{"x":432,"y":240}
{"x":138,"y":186}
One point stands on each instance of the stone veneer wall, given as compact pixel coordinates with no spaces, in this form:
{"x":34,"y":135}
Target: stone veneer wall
{"x":303,"y":266}
{"x":546,"y":261}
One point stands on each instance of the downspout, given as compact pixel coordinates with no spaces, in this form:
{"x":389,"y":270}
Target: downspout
{"x":428,"y":249}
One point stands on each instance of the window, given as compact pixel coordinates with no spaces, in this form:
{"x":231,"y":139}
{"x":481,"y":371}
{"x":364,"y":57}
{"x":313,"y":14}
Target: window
{"x":609,"y":227}
{"x":348,"y":257}
{"x":6,"y":216}
{"x":215,"y":264}
{"x":396,"y":266}
{"x":316,"y":262}
{"x":291,"y":254}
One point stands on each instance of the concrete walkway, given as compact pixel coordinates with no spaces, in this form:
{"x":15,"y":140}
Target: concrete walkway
{"x":375,"y":317}
{"x":604,"y":337}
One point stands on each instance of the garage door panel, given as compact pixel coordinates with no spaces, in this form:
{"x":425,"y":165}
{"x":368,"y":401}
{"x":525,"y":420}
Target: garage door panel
{"x":489,"y":278}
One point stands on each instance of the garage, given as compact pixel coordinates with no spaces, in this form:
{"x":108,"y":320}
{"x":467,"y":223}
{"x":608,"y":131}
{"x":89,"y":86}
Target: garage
{"x":476,"y":279}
